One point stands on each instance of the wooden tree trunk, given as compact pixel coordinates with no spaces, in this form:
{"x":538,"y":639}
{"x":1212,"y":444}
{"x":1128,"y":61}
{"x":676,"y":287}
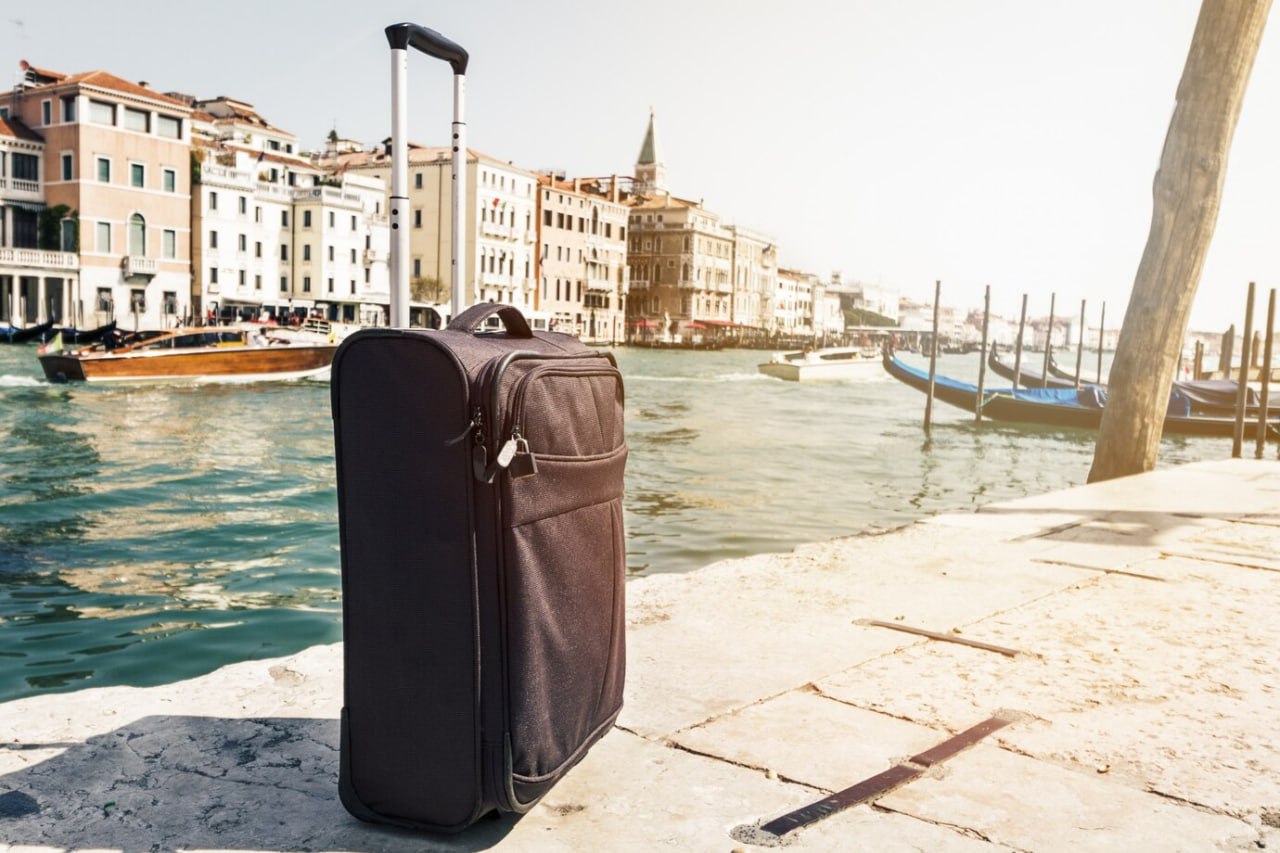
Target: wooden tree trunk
{"x":1187,"y":194}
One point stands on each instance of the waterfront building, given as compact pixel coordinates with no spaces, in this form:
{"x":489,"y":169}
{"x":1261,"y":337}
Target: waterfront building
{"x":114,"y":186}
{"x":501,"y":232}
{"x":582,"y":257}
{"x":276,"y":235}
{"x":38,"y":272}
{"x":793,"y":304}
{"x":689,"y":271}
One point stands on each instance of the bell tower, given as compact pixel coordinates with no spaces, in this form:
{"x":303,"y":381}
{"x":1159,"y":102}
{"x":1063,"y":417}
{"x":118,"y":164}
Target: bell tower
{"x":651,"y":174}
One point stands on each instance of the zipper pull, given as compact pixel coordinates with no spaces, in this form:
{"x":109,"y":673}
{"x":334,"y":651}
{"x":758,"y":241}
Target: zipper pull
{"x":462,"y":436}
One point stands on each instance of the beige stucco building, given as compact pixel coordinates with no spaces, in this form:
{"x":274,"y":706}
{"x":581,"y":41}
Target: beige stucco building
{"x":582,"y":257}
{"x":117,"y":156}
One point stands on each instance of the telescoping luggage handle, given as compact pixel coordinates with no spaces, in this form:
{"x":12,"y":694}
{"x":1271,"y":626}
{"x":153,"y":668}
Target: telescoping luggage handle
{"x":471,"y":319}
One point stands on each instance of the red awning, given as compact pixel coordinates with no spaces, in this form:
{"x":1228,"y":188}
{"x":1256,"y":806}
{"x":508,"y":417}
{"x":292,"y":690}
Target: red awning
{"x":644,"y":324}
{"x":694,"y":325}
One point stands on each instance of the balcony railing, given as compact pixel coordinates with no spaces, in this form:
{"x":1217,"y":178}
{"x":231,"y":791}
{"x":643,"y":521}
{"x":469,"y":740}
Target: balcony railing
{"x":39,"y":259}
{"x":374,"y":256}
{"x":20,"y":185}
{"x":139,"y":265}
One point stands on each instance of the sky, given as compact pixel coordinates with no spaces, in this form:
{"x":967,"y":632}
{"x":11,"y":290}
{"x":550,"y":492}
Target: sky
{"x":901,"y":142}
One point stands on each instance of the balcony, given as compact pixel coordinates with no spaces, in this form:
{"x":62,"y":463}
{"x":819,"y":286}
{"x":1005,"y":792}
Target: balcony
{"x":38,"y":259}
{"x":496,"y":279}
{"x":18,"y":185}
{"x":137,"y":265}
{"x":374,"y":256}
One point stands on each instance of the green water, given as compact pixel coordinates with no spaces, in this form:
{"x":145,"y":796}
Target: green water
{"x":154,"y":533}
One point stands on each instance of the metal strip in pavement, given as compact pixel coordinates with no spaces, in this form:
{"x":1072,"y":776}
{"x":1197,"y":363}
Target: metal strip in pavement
{"x":946,"y":638}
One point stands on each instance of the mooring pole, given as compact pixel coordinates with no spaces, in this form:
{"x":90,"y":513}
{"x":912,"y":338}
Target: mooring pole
{"x":1261,"y":437}
{"x":982,"y":359}
{"x":1080,"y":346}
{"x":1102,"y":325}
{"x":401,"y":37}
{"x":933,"y":358}
{"x":1048,"y":342}
{"x":1017,"y":349}
{"x":1242,"y":388}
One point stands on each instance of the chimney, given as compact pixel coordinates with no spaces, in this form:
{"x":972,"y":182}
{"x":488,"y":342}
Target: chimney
{"x":577,"y":185}
{"x":613,"y":188}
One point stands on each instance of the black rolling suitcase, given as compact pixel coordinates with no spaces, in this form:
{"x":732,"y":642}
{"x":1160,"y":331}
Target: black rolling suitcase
{"x":480,"y":511}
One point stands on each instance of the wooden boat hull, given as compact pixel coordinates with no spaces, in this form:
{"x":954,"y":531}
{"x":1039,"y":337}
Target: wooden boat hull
{"x":244,"y":364}
{"x":1002,"y":405}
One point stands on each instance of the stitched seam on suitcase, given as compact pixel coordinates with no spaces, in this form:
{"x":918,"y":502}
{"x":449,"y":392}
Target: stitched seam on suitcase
{"x":587,"y":742}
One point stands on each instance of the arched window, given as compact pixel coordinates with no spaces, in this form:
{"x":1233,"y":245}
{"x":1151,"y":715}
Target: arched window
{"x":137,"y":235}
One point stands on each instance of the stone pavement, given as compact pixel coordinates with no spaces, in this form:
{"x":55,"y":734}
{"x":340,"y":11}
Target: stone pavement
{"x":1123,"y":635}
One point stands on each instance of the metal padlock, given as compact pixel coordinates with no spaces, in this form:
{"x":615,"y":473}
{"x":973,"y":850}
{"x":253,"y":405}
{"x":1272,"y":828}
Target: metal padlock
{"x":523,"y":464}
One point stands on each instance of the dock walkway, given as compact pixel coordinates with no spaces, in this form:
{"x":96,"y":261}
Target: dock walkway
{"x":1108,"y":654}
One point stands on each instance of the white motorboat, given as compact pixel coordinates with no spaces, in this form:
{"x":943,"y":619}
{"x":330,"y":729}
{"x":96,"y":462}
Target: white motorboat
{"x":826,"y":363}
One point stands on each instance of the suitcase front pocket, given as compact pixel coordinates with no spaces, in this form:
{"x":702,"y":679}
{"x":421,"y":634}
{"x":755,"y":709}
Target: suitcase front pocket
{"x":565,"y":578}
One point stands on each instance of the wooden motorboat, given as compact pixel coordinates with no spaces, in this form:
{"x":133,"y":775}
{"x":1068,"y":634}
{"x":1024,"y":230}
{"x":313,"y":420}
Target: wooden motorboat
{"x":826,"y":363}
{"x":216,"y":353}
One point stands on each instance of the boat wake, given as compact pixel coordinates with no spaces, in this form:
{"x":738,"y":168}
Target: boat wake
{"x":10,"y":381}
{"x":684,"y":380}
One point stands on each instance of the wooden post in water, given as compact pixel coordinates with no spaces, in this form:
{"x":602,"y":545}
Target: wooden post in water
{"x":933,"y":358}
{"x":1017,"y":349}
{"x":1242,"y":388}
{"x":1261,"y":437}
{"x":1080,"y":346}
{"x":1102,"y":327}
{"x":982,"y":359}
{"x":1197,"y":364}
{"x":1048,"y":343}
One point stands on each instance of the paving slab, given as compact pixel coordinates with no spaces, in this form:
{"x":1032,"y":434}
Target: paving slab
{"x":1033,"y":805}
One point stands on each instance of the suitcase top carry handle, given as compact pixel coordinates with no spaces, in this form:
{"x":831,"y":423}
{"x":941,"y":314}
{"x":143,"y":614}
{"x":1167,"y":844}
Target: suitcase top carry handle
{"x":473,"y":317}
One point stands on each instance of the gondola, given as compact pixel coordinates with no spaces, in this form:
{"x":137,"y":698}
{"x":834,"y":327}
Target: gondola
{"x":1216,"y":397}
{"x":1059,"y":407}
{"x":86,"y":336}
{"x":15,"y":335}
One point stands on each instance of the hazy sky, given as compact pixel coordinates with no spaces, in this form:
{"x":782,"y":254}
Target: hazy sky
{"x":898,"y":141}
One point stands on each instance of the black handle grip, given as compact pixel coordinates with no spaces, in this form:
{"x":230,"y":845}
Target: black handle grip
{"x":430,"y":42}
{"x":470,"y":320}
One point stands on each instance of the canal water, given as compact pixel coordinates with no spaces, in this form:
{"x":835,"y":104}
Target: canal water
{"x":154,"y":533}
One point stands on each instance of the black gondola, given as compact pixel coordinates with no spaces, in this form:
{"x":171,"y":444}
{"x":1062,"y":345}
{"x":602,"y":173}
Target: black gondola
{"x":38,"y":333}
{"x":1061,"y":407}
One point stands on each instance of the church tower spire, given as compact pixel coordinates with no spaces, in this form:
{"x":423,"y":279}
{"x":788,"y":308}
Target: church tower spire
{"x":651,"y":174}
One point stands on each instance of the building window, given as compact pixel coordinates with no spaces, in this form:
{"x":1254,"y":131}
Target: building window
{"x":100,"y":112}
{"x":104,"y":301}
{"x":213,"y":239}
{"x":104,"y":170}
{"x":257,"y":249}
{"x":306,"y":251}
{"x":417,"y":181}
{"x":242,"y":243}
{"x":46,"y":112}
{"x":284,"y":252}
{"x":330,"y":285}
{"x":306,"y":219}
{"x":417,"y":218}
{"x":417,"y":267}
{"x":170,"y":302}
{"x":170,"y":181}
{"x":103,"y":237}
{"x":284,"y":283}
{"x":257,"y":213}
{"x":138,"y":120}
{"x":331,"y":254}
{"x":213,"y":275}
{"x":169,"y":127}
{"x":244,"y":205}
{"x":353,"y":223}
{"x":137,"y":175}
{"x":331,"y":219}
{"x":353,"y":287}
{"x":241,"y":277}
{"x":257,"y":282}
{"x":137,"y":235}
{"x":353,"y":256}
{"x":70,"y":235}
{"x":284,"y":218}
{"x":68,"y":167}
{"x":306,"y":284}
{"x":546,"y":218}
{"x":69,"y":109}
{"x":213,"y":201}
{"x":169,"y":244}
{"x":137,"y":301}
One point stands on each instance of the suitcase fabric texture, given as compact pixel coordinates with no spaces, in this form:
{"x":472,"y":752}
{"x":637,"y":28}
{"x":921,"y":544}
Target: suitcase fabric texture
{"x":480,"y":482}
